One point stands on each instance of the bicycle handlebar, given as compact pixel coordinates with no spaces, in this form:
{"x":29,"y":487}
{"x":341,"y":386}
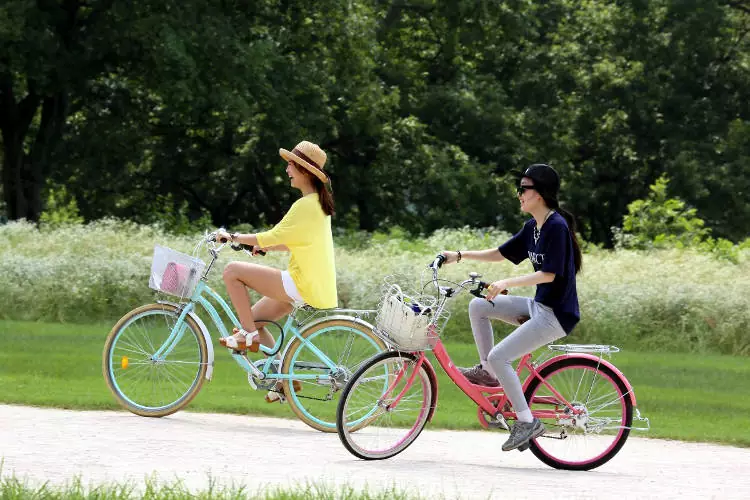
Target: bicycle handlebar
{"x":234,"y":246}
{"x":477,"y":292}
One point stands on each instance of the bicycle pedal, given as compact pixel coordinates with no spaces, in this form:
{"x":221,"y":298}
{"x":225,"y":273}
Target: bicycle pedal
{"x":523,"y":447}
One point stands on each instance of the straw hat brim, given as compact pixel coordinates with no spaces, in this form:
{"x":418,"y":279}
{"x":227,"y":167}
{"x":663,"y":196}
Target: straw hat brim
{"x":289,"y":156}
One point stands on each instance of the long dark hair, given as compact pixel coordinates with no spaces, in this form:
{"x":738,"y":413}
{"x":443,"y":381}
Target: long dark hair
{"x":554,"y":204}
{"x":324,"y":195}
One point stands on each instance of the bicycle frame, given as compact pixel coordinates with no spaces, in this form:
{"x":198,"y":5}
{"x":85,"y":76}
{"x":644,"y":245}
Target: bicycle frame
{"x":476,"y":392}
{"x":290,"y":328}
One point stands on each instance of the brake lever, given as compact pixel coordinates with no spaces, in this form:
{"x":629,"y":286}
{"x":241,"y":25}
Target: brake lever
{"x":477,"y":292}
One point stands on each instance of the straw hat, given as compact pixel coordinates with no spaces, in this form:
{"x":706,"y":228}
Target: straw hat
{"x":308,"y":155}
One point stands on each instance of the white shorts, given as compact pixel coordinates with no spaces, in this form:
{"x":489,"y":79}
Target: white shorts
{"x":290,"y":288}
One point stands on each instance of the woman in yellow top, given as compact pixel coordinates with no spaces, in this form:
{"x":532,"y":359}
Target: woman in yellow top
{"x":305,"y":231}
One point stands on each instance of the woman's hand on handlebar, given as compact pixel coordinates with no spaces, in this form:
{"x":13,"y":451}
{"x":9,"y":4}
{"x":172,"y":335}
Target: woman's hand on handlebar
{"x":450,"y":257}
{"x":222,"y":236}
{"x":497,"y":288}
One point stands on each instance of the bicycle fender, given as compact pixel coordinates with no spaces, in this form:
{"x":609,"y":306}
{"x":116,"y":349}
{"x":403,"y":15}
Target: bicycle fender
{"x":204,"y":332}
{"x":358,"y":321}
{"x":599,"y":360}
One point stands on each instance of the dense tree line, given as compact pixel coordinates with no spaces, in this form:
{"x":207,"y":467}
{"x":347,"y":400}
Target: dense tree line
{"x":428,"y":108}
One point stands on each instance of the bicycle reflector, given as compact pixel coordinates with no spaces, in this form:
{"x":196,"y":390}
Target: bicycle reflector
{"x":124,"y":363}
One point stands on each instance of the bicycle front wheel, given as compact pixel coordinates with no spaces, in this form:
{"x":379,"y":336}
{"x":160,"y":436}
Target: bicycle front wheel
{"x":385,"y":406}
{"x":145,"y":381}
{"x":595,"y":426}
{"x":347,"y":344}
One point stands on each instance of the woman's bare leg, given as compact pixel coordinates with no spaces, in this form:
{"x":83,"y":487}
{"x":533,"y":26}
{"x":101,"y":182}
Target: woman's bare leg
{"x":270,"y":309}
{"x":238,"y":277}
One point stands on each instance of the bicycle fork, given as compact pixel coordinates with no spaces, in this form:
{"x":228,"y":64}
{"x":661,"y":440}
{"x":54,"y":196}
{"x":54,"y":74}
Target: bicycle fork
{"x":392,"y":406}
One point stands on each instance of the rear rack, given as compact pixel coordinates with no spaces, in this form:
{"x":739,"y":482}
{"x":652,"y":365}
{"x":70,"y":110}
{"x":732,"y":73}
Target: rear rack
{"x":584,"y":348}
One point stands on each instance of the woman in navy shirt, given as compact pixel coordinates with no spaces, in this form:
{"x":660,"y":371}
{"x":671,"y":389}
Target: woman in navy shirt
{"x":549,"y":241}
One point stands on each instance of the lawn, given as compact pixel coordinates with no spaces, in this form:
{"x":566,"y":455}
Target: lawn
{"x":687,"y":396}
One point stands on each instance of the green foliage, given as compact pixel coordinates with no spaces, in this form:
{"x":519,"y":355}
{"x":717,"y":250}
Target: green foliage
{"x":660,"y":222}
{"x":174,"y":219}
{"x":427,"y":109}
{"x":61,"y":209}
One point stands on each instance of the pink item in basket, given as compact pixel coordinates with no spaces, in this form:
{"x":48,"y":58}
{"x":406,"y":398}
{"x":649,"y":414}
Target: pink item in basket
{"x":175,"y":278}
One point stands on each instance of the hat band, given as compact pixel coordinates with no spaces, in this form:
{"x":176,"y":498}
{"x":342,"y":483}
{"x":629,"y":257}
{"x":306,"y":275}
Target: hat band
{"x":309,"y":160}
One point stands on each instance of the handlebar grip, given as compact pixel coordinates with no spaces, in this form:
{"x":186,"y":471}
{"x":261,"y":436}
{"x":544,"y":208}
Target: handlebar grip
{"x":439,"y":259}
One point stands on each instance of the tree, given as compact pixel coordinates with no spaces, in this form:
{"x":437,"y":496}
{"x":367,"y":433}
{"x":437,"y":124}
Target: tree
{"x":660,"y":221}
{"x":61,"y":58}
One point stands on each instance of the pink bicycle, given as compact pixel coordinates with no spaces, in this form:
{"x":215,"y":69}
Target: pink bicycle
{"x":585,"y":402}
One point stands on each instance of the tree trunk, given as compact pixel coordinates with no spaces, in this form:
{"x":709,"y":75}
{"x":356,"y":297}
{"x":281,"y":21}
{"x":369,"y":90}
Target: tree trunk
{"x":24,"y":175}
{"x":15,"y":121}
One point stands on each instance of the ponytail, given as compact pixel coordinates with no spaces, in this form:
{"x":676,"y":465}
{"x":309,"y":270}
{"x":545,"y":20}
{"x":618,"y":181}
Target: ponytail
{"x":577,"y":257}
{"x":325,"y":196}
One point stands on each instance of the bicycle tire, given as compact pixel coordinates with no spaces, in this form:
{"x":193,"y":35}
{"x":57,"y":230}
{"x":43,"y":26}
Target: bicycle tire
{"x":611,"y":402}
{"x":321,"y":415}
{"x":360,"y":422}
{"x":132,"y":380}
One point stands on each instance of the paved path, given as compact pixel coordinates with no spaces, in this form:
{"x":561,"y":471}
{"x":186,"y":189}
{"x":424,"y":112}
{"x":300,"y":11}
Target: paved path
{"x":57,"y":445}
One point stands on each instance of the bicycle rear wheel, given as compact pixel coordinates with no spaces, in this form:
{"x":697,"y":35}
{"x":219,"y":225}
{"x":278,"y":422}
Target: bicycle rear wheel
{"x":592,"y":437}
{"x":348,"y":344}
{"x":379,"y":415}
{"x":143,"y":383}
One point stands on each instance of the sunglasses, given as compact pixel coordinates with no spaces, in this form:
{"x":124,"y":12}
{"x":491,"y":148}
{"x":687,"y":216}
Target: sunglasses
{"x":522,"y":188}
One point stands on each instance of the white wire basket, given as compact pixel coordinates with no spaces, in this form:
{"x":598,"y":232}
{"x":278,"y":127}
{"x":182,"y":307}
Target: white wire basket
{"x":174,"y":272}
{"x":410,"y":321}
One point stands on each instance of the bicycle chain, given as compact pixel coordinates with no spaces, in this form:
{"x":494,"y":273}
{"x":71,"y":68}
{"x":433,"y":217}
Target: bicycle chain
{"x":302,"y":397}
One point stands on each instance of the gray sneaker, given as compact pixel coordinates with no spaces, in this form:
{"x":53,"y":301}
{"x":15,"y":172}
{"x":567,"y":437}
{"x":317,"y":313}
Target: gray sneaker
{"x":479,"y":376}
{"x":522,"y":433}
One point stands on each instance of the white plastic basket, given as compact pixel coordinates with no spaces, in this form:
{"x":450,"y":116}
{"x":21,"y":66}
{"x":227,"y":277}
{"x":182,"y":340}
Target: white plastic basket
{"x":409,"y":321}
{"x":174,"y":272}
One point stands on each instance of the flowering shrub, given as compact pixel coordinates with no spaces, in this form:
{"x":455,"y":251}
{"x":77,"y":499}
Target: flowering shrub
{"x":677,"y":299}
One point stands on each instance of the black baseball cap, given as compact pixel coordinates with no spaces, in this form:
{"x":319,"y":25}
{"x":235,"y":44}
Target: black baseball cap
{"x":546,"y":179}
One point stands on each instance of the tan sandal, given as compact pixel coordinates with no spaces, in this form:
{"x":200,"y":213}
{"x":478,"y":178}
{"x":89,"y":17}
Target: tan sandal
{"x":277,"y":393}
{"x":238,"y":341}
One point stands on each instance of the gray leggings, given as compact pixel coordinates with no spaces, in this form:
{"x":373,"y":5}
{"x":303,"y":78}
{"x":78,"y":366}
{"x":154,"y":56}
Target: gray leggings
{"x":541,"y":329}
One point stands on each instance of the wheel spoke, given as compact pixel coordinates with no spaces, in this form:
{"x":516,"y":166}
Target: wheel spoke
{"x":346,"y":344}
{"x":368,"y":426}
{"x":154,"y":386}
{"x":597,"y":400}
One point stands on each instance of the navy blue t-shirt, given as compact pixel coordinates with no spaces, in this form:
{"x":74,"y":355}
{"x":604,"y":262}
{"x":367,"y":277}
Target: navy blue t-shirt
{"x":553,"y":253}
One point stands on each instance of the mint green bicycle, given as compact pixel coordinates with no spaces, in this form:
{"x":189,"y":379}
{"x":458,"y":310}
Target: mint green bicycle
{"x":158,"y":355}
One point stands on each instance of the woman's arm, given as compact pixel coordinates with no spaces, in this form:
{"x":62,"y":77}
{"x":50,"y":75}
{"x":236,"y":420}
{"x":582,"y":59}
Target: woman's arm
{"x":489,"y":255}
{"x":252,"y":239}
{"x":277,"y":248}
{"x":527,"y":280}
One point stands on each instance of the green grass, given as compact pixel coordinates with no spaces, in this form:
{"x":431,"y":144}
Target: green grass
{"x":13,"y":488}
{"x":686,"y":396}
